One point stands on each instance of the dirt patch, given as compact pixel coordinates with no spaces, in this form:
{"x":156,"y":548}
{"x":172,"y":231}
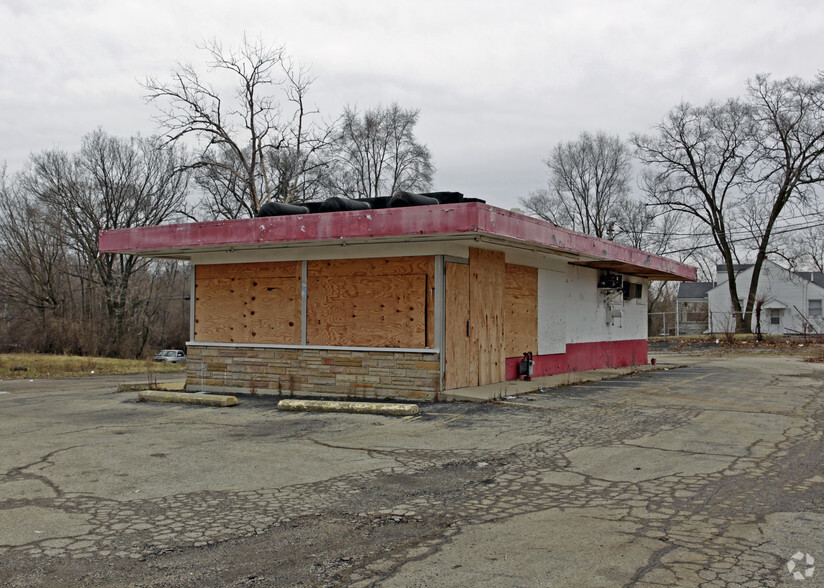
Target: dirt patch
{"x":808,"y":347}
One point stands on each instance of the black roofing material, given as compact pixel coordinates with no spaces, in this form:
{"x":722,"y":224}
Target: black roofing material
{"x":379,"y":202}
{"x":338,"y":203}
{"x":402,"y":199}
{"x":281,"y":209}
{"x":448,"y":197}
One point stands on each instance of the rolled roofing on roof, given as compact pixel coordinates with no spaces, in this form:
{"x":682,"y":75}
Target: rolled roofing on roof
{"x":466,"y":220}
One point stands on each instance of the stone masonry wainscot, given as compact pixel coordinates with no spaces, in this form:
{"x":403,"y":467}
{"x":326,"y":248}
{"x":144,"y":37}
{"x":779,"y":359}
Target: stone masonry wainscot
{"x":309,"y":372}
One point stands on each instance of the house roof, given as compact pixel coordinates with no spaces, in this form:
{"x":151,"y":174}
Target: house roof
{"x":816,"y":278}
{"x":694,"y":289}
{"x":736,"y":267}
{"x":471,"y":222}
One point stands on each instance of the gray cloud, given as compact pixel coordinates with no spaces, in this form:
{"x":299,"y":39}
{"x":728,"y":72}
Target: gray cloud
{"x":497,"y":83}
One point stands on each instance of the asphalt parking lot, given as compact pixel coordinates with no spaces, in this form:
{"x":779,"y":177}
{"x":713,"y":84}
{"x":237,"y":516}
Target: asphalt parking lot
{"x":708,"y":474}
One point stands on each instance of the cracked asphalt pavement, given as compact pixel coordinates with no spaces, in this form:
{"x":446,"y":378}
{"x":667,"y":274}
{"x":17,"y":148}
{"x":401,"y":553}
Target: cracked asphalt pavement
{"x":709,"y":474}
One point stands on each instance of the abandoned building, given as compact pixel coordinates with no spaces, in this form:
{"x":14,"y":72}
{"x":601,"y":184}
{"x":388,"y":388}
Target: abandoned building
{"x":407,"y":302}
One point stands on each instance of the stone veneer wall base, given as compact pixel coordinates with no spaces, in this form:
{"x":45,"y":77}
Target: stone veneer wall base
{"x":314,"y":372}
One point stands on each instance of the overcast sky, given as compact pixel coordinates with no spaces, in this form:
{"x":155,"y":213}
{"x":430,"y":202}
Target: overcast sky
{"x":498,"y":83}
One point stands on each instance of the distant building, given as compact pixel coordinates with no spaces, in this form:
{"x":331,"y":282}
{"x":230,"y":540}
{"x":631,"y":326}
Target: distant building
{"x":790,"y":302}
{"x":693,"y":315}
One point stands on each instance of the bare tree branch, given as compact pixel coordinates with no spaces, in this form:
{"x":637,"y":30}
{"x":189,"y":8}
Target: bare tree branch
{"x":250,"y":150}
{"x":588,"y":184}
{"x":737,"y":167}
{"x":378,"y":154}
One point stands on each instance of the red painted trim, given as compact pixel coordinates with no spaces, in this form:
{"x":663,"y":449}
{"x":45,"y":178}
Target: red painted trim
{"x":580,"y":357}
{"x":334,"y":227}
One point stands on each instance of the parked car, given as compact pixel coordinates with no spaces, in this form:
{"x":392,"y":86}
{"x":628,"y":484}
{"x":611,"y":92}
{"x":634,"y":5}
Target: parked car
{"x":171,"y":356}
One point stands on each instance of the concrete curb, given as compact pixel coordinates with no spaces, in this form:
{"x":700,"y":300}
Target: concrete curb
{"x":499,"y":390}
{"x":164,"y":386}
{"x":352,"y":407}
{"x":186,"y":398}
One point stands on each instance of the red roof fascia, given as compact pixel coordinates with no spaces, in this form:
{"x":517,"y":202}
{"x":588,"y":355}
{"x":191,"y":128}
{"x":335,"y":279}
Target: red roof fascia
{"x":446,"y":219}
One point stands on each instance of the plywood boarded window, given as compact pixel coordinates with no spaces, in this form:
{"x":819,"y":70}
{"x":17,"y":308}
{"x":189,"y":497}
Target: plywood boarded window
{"x":248,"y":303}
{"x":520,"y":310}
{"x":382,"y":302}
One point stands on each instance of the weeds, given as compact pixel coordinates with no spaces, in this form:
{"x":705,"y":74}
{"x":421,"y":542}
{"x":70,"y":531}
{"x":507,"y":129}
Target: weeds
{"x":19,"y":366}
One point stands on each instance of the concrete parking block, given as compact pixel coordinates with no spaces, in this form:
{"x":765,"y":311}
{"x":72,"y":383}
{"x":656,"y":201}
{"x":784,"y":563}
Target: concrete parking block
{"x":186,"y":398}
{"x":393,"y":409}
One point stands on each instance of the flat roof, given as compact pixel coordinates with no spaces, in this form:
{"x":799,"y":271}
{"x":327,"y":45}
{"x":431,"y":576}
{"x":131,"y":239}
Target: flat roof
{"x":464,"y":221}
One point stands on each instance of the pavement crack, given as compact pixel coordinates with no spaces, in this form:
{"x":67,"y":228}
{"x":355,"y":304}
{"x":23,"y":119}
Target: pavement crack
{"x":333,"y":446}
{"x":652,"y":563}
{"x":681,"y":451}
{"x":20,"y":473}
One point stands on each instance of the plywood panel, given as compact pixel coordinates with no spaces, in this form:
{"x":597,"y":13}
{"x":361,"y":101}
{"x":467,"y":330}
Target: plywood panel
{"x":461,"y":365}
{"x":486,"y":301}
{"x":367,"y":311}
{"x":217,"y":310}
{"x":410,"y":322}
{"x":381,"y":266}
{"x":520,"y":310}
{"x":248,"y":303}
{"x":284,"y":269}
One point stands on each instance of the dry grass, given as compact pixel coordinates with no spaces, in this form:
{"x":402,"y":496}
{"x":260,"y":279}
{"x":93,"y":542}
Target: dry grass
{"x":809,"y":347}
{"x":817,"y":356}
{"x":61,"y":366}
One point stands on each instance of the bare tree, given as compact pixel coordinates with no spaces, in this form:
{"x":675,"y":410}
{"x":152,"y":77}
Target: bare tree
{"x":588,"y":184}
{"x":161,"y":303}
{"x":265,"y":144}
{"x":378,"y":154}
{"x":736,"y":166}
{"x":34,"y":260}
{"x":110,"y":183}
{"x":805,"y":247}
{"x":303,"y":161}
{"x":638,"y":225}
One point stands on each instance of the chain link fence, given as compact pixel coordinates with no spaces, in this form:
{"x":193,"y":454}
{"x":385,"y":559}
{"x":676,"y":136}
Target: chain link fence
{"x":673,"y":324}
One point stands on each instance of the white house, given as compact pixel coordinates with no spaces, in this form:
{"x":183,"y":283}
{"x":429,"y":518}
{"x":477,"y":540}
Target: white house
{"x":692,"y":316}
{"x":791,"y":302}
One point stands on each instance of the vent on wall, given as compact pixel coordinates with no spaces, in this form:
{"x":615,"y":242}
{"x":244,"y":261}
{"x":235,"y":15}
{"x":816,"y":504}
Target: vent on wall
{"x":632,"y":290}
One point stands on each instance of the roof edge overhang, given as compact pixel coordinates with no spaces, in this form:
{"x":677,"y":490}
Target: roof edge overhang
{"x":423,"y":223}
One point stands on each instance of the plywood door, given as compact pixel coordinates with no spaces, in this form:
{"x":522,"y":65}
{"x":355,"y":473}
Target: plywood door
{"x":487,"y":270}
{"x":461,"y":365}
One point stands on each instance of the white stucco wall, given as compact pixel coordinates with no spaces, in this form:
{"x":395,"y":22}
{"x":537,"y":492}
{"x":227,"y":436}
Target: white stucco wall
{"x":778,"y":288}
{"x":553,"y":300}
{"x":571,"y":309}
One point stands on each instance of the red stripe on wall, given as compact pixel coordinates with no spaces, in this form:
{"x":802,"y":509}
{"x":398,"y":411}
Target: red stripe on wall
{"x":581,"y":357}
